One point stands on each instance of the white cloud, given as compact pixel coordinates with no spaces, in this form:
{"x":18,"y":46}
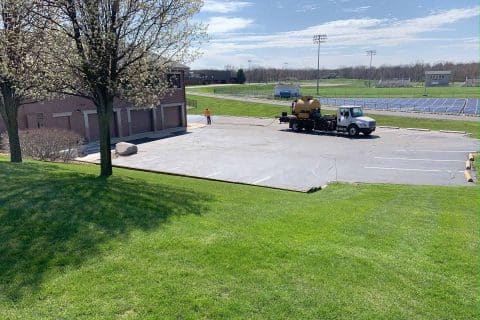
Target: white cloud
{"x":357,"y":9}
{"x":352,"y":32}
{"x":308,"y":7}
{"x":347,"y":36}
{"x":224,"y":6}
{"x":219,"y":25}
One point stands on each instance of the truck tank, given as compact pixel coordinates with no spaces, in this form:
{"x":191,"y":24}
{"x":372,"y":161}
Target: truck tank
{"x":305,"y":106}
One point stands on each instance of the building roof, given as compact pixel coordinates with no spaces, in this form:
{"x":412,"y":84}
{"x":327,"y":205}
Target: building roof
{"x":179,"y":66}
{"x":438,"y":72}
{"x":287,"y":86}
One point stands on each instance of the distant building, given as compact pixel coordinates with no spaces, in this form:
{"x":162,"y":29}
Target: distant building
{"x":331,"y":75}
{"x":202,"y":77}
{"x":286,"y":90}
{"x":437,"y":78}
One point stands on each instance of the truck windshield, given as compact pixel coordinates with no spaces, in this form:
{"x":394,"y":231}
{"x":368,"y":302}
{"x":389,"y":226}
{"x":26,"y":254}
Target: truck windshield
{"x":357,"y":112}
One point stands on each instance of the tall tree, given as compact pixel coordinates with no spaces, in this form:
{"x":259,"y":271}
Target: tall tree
{"x":121,"y":49}
{"x":241,"y":76}
{"x":24,"y":75}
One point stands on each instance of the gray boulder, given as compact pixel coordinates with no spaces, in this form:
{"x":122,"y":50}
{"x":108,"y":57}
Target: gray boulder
{"x":125,"y":149}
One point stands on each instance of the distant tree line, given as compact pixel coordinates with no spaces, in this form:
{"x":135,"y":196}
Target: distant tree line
{"x":415,"y":72}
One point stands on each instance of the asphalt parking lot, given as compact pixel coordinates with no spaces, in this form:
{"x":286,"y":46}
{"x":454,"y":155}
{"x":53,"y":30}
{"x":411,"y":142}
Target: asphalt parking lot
{"x":263,"y":152}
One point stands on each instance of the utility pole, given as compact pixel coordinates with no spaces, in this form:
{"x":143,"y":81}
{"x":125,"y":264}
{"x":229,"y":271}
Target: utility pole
{"x":371,"y":53}
{"x":318,"y":39}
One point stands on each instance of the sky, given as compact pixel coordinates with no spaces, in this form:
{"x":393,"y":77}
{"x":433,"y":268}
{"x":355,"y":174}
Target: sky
{"x":279,"y":33}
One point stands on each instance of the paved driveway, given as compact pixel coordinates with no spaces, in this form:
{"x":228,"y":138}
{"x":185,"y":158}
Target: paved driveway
{"x":263,"y":152}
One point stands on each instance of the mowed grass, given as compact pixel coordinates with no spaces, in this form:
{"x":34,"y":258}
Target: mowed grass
{"x":237,"y":108}
{"x":150,"y":246}
{"x":250,"y":109}
{"x":345,"y":88}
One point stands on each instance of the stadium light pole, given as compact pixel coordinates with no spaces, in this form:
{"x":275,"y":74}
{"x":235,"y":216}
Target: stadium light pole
{"x":371,"y":53}
{"x":318,"y":39}
{"x":249,"y":69}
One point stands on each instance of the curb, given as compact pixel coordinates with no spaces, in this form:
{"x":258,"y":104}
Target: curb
{"x":417,"y":129}
{"x":453,"y":131}
{"x":388,"y":127}
{"x":210,"y":179}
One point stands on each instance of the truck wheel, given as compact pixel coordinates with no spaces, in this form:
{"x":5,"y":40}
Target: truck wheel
{"x":353,"y":131}
{"x":295,"y":126}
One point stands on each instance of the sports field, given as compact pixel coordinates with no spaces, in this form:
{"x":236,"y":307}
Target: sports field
{"x":345,"y":88}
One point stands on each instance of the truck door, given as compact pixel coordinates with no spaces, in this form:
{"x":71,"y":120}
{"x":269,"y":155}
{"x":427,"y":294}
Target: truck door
{"x":344,"y":117}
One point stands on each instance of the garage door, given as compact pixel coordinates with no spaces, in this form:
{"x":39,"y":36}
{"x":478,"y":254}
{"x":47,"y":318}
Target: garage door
{"x":173,"y":116}
{"x":93,"y":124}
{"x":141,"y":121}
{"x":62,"y":122}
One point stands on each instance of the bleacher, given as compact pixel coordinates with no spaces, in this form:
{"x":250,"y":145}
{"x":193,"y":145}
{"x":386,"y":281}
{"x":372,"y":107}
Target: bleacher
{"x":428,"y":105}
{"x":394,"y":83}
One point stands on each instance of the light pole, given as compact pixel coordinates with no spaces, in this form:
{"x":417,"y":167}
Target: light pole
{"x":318,"y":39}
{"x":249,"y":69}
{"x":285,"y":75}
{"x":371,"y":53}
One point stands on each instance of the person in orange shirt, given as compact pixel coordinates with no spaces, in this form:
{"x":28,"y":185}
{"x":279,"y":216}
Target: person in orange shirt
{"x":208,"y":114}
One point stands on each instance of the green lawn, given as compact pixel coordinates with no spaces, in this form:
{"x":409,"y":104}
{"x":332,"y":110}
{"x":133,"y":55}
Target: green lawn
{"x":150,"y":246}
{"x":239,"y":108}
{"x":236,"y":108}
{"x":344,"y":88}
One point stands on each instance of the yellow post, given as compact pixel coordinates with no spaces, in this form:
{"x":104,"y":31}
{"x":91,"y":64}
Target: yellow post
{"x":468,"y":176}
{"x":468,"y":165}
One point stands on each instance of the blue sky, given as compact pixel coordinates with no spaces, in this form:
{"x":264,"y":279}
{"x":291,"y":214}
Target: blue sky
{"x":278,"y":33}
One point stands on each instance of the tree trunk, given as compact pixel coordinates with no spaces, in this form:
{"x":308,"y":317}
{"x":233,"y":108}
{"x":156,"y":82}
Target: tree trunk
{"x":10,"y":118}
{"x":14,"y":140}
{"x":105,"y":113}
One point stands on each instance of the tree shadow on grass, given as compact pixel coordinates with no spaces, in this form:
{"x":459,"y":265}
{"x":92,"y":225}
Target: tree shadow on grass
{"x":54,"y":218}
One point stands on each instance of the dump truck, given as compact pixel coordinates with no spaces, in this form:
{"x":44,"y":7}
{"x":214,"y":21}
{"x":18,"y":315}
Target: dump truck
{"x":306,"y":115}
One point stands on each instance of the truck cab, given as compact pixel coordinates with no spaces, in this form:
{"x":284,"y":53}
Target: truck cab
{"x":307,"y":116}
{"x":350,"y":119}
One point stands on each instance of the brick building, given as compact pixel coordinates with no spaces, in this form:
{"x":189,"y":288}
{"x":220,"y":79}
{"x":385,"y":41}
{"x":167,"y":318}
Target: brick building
{"x":80,"y":115}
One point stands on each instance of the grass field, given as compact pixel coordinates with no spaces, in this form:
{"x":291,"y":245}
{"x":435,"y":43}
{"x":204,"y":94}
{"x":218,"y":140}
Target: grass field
{"x":346,"y":89}
{"x":240,"y":108}
{"x":150,"y":246}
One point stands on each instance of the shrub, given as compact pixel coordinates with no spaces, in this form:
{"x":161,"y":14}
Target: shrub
{"x":48,"y":144}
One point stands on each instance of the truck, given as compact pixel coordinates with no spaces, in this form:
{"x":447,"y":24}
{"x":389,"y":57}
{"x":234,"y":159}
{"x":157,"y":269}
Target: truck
{"x":306,"y":116}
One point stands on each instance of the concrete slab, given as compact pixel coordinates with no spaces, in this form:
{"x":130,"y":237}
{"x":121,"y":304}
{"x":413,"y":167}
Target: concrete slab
{"x":263,"y":152}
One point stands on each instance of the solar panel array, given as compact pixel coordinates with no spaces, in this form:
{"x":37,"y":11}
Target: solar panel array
{"x":430,"y":105}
